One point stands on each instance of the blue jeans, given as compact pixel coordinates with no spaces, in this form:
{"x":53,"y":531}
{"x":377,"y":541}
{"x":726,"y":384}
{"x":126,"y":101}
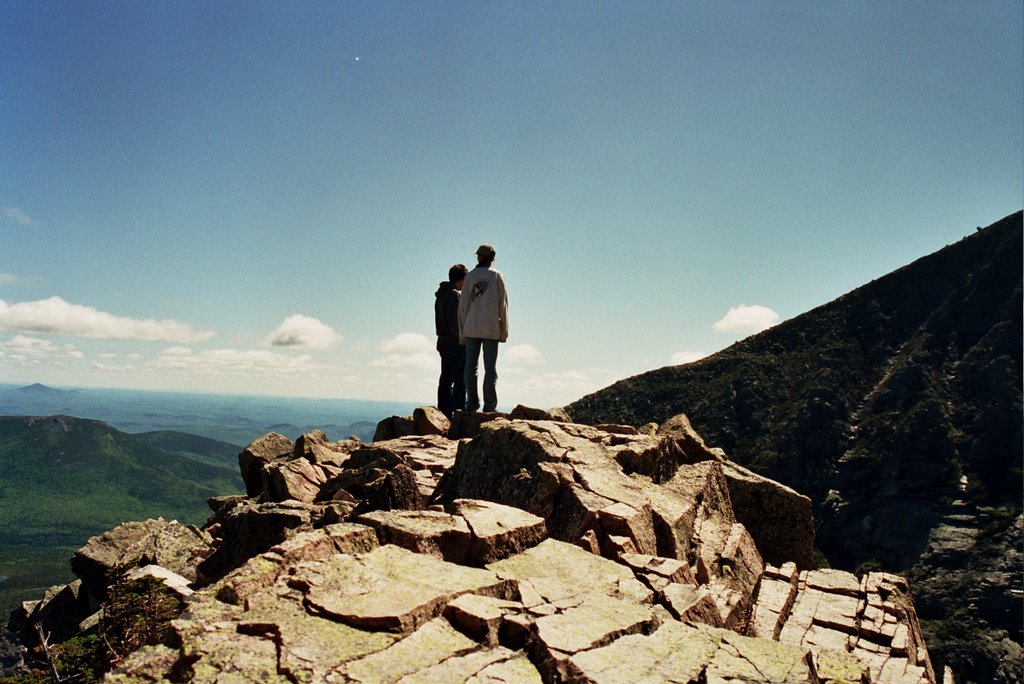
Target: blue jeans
{"x":490,"y":347}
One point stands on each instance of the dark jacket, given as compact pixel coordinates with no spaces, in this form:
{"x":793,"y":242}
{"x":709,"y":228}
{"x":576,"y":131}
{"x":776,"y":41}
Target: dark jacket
{"x":446,"y":316}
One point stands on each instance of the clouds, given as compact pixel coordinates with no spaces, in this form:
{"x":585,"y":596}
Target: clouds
{"x":22,"y":348}
{"x":553,"y":388}
{"x":740,"y":320}
{"x":18,"y":216}
{"x":524,"y":353}
{"x":746,"y":320}
{"x":407,"y":350}
{"x":304,"y":332}
{"x":232,"y":362}
{"x":414,"y":350}
{"x":55,"y":316}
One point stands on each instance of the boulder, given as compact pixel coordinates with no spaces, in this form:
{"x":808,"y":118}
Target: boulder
{"x":429,"y":456}
{"x":372,"y":488}
{"x":418,"y":588}
{"x":466,"y":424}
{"x":554,"y":571}
{"x":428,"y":420}
{"x":257,"y":455}
{"x":315,"y":448}
{"x":252,"y":528}
{"x":557,"y":415}
{"x":276,"y":469}
{"x":433,"y":533}
{"x":263,"y":571}
{"x":170,"y":545}
{"x":435,"y":643}
{"x":497,"y":531}
{"x":59,"y":614}
{"x":778,"y":518}
{"x":471,"y":533}
{"x":394,"y":427}
{"x":175,"y":583}
{"x":573,"y":476}
{"x":680,"y":652}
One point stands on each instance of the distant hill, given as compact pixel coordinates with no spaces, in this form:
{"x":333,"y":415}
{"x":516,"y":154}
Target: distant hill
{"x":65,"y":479}
{"x":227,"y":418}
{"x":897,"y":408}
{"x":38,"y":389}
{"x":210,"y":451}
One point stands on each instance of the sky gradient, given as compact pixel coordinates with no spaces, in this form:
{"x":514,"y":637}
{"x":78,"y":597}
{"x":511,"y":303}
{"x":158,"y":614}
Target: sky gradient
{"x":261,"y":198}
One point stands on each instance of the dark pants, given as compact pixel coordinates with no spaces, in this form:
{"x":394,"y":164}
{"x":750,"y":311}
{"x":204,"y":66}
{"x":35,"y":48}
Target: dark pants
{"x":451,"y":386}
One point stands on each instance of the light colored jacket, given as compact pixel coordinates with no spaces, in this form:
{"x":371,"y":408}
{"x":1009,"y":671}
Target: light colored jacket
{"x":483,"y":307}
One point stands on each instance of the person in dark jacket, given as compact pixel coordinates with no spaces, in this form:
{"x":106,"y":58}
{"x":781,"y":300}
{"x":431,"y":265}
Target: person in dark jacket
{"x":451,"y":386}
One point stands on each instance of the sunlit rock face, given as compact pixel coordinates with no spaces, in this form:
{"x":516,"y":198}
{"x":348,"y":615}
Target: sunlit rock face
{"x":538,"y":550}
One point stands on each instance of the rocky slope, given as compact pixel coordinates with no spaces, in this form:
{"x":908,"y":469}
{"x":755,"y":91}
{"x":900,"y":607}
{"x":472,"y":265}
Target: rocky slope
{"x":498,"y":549}
{"x":897,"y":409}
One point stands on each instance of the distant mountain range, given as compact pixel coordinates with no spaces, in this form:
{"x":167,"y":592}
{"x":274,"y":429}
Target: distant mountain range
{"x":897,"y":409}
{"x":226,"y":418}
{"x":40,"y":390}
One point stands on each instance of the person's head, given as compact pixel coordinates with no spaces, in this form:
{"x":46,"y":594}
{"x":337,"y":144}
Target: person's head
{"x":485,"y":254}
{"x":456,"y":274}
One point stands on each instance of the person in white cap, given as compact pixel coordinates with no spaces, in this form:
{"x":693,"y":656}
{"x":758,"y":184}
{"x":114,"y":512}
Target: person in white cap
{"x":483,"y":323}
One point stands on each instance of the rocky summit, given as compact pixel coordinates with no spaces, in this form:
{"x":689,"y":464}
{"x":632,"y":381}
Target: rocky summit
{"x":498,"y":548}
{"x":897,"y":409}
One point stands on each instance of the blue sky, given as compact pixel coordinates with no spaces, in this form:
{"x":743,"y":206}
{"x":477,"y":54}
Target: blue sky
{"x":261,"y":198}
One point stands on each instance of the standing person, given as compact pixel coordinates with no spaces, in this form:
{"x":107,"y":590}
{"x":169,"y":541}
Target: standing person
{"x":483,"y":323}
{"x":451,"y":388}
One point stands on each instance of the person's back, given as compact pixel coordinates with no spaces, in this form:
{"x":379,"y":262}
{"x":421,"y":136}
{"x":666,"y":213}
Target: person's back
{"x":483,"y":323}
{"x":451,"y":391}
{"x":486,"y":314}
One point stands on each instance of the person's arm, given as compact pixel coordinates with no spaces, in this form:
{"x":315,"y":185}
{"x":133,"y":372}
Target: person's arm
{"x":451,"y":313}
{"x":463,"y":308}
{"x":503,"y":308}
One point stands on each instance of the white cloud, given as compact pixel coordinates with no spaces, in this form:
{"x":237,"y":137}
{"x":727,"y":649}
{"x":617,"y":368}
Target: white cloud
{"x":58,"y":317}
{"x":544,"y":390}
{"x":407,"y":350}
{"x":524,"y":353}
{"x":8,"y":278}
{"x":114,"y":367}
{"x":744,"y":319}
{"x":22,"y":344}
{"x":406,"y":343}
{"x":18,"y":216}
{"x":681,"y":357}
{"x":304,"y":331}
{"x":232,"y":361}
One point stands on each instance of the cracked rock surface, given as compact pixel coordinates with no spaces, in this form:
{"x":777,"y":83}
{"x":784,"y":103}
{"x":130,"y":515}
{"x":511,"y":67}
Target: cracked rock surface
{"x":537,"y":551}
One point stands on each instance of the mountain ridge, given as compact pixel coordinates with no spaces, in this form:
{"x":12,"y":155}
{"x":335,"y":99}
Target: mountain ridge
{"x":66,"y":479}
{"x":897,"y":409}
